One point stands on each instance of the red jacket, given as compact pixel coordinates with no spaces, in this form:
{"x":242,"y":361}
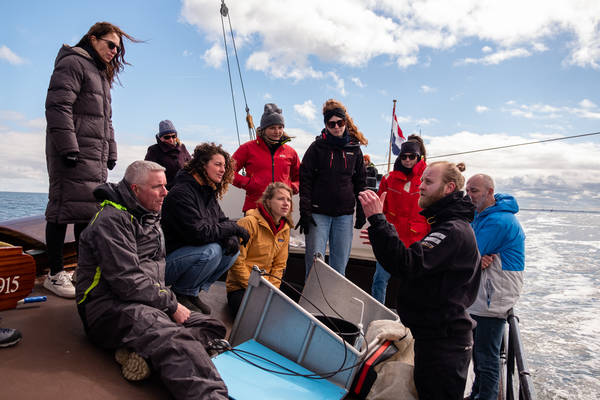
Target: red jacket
{"x":401,"y":207}
{"x":262,"y":168}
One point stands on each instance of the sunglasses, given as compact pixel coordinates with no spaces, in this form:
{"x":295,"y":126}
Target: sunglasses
{"x":408,"y":156}
{"x":112,"y":45}
{"x":339,"y":123}
{"x":169,"y":137}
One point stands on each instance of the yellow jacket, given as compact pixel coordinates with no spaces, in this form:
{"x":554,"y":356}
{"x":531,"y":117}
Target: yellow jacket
{"x":266,"y":250}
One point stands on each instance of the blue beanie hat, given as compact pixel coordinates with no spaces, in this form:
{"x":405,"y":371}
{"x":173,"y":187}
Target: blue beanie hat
{"x":165,"y":127}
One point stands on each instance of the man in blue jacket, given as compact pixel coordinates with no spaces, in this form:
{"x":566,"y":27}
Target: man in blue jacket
{"x":501,"y":242}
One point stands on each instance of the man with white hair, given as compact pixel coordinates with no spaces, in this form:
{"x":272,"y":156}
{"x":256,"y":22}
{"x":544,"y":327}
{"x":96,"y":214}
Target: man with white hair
{"x":121,"y":294}
{"x":501,"y":242}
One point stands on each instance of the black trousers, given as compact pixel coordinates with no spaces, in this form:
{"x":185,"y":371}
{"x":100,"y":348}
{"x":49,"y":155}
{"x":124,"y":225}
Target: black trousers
{"x":441,"y":366}
{"x":234,"y":301}
{"x":55,"y":240}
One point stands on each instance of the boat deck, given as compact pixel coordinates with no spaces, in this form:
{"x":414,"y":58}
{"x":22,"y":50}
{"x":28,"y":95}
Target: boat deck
{"x":56,"y":361}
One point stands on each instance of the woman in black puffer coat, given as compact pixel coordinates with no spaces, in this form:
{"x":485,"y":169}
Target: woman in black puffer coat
{"x":80,"y":143}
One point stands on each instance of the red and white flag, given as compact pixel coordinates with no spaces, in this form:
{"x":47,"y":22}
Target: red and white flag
{"x":397,"y":137}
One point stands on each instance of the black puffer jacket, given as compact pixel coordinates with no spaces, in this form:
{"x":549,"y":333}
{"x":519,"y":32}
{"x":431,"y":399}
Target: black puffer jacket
{"x":440,"y":274}
{"x":78,"y":116}
{"x":121,"y":257}
{"x":192,"y":216}
{"x":331,"y":178}
{"x":172,"y":158}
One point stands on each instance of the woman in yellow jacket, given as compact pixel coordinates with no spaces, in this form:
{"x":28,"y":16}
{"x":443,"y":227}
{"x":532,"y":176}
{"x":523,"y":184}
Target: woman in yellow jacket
{"x":269,"y":226}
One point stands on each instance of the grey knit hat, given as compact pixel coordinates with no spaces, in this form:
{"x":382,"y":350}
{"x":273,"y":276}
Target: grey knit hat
{"x":271,"y":116}
{"x":165,"y":127}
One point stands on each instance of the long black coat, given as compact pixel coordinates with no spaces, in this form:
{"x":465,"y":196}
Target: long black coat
{"x":78,"y":116}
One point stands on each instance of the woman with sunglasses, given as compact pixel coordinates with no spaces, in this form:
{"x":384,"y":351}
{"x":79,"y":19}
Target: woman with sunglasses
{"x":332,"y":175}
{"x":168,"y":151}
{"x":400,"y":207}
{"x":80,"y":142}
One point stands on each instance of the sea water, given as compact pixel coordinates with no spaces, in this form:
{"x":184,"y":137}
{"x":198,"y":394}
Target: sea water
{"x":559,"y":309}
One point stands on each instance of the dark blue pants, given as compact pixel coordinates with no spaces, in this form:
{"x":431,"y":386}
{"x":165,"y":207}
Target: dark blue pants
{"x":486,"y":357}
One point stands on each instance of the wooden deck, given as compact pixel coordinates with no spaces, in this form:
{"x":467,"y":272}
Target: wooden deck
{"x":55,"y":361}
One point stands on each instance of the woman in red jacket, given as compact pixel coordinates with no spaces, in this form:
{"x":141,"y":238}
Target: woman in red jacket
{"x":401,"y":208}
{"x":266,"y":159}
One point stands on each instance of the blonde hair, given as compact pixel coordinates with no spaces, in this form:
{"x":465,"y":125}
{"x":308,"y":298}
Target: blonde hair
{"x":452,"y":173}
{"x":270,"y":192}
{"x":352,"y":129}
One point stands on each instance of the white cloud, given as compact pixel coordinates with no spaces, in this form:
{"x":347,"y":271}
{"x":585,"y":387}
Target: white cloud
{"x":267,"y":96}
{"x":187,"y":53}
{"x":481,"y":109}
{"x":358,"y":82}
{"x":495,"y":58}
{"x":587,"y":109}
{"x":306,"y":110}
{"x":354,"y":32}
{"x":486,"y":49}
{"x":214,"y":56}
{"x":427,"y":89}
{"x":8,"y":55}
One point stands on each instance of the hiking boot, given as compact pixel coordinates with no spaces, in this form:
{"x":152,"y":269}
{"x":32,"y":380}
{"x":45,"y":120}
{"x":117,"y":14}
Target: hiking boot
{"x":133,"y":366}
{"x":204,"y":308}
{"x":9,"y":337}
{"x":60,"y":284}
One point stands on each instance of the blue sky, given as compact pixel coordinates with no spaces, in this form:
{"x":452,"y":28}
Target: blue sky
{"x":468,"y":75}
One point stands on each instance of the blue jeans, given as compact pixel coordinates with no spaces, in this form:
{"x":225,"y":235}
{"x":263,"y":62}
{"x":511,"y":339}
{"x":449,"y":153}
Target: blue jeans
{"x":338,"y":231}
{"x":380,"y":282}
{"x":487,"y":338}
{"x":193,"y":268}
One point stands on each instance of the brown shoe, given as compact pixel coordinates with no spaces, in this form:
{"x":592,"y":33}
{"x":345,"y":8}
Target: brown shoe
{"x":204,"y":308}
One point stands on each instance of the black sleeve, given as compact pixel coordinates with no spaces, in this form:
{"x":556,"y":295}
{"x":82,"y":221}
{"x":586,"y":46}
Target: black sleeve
{"x":307,"y":177}
{"x":432,"y":254}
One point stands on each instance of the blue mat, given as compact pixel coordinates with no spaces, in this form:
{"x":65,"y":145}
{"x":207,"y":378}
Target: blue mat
{"x":245,"y":381}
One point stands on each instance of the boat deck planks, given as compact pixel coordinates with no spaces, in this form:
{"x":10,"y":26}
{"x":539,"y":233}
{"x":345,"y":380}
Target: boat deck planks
{"x":56,"y":361}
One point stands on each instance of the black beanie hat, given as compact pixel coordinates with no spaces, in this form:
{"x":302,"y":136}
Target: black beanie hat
{"x":338,"y":112}
{"x":410,"y":147}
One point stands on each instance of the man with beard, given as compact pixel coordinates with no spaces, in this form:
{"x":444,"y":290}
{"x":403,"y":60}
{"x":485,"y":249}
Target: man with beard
{"x":439,"y":278}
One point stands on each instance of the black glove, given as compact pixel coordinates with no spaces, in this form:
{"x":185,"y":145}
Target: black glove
{"x":243,"y":234}
{"x":230,"y":246}
{"x":304,"y":223}
{"x":110,"y":164}
{"x":70,"y":160}
{"x":360,"y":221}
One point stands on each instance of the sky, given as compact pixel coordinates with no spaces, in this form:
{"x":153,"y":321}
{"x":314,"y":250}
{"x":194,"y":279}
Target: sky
{"x":466,"y":74}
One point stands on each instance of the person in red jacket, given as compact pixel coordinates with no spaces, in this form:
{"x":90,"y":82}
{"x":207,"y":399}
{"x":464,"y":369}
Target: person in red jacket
{"x":401,"y":208}
{"x":266,"y":159}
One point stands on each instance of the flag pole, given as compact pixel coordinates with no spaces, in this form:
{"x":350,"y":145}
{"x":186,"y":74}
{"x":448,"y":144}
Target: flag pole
{"x":391,"y":138}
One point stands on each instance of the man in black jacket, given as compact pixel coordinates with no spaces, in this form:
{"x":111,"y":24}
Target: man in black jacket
{"x":439,"y":279}
{"x":121,"y":294}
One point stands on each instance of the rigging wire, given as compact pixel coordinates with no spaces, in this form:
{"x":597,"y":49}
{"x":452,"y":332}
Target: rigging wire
{"x":509,"y":145}
{"x":224,"y":12}
{"x":251,"y":131}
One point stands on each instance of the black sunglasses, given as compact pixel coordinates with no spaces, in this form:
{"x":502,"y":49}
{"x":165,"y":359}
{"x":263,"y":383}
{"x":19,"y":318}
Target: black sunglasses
{"x":408,"y":156}
{"x":112,"y":45}
{"x":169,"y":137}
{"x":339,"y":123}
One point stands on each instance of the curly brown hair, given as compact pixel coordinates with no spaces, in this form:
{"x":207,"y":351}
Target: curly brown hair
{"x":203,"y":153}
{"x":118,"y":62}
{"x":352,"y":129}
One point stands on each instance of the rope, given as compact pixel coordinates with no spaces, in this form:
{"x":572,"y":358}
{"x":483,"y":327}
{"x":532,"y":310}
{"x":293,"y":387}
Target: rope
{"x":507,"y":146}
{"x":224,"y":11}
